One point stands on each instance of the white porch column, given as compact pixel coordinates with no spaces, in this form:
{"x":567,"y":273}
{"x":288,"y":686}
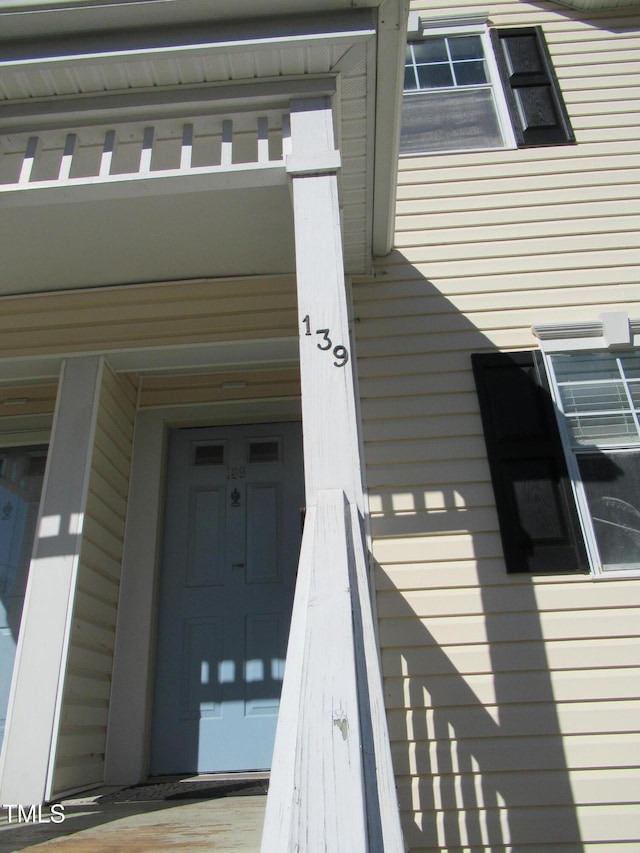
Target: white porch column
{"x":332,"y":786}
{"x":34,"y":703}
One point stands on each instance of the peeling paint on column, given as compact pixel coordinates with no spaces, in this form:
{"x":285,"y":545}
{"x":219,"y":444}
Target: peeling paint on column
{"x":341,"y":722}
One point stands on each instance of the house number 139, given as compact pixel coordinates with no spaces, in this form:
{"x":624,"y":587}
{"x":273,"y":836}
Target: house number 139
{"x":340,"y":352}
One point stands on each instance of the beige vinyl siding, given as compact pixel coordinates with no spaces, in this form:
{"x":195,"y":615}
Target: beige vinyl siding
{"x":150,"y":315}
{"x":512,"y":700}
{"x":85,"y":703}
{"x":224,"y":386}
{"x":27,"y":399}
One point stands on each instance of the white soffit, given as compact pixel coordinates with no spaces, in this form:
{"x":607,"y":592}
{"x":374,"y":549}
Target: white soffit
{"x":187,"y":54}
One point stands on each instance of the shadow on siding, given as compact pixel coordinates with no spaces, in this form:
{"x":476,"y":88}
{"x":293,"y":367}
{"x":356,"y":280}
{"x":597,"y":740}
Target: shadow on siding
{"x":473,"y":775}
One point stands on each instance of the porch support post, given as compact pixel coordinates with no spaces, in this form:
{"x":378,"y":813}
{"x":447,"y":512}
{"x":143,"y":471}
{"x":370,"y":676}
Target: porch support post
{"x":40,"y":663}
{"x":332,"y":785}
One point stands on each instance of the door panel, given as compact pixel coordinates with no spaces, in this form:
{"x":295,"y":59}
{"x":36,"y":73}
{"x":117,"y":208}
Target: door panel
{"x":205,"y":565}
{"x":230,"y":554}
{"x":263,"y":560}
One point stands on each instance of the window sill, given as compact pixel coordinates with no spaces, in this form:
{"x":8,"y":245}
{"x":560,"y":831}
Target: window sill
{"x":407,"y":154}
{"x":629,"y":574}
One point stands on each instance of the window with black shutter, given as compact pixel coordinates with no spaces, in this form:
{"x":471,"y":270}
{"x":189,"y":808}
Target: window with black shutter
{"x":536,"y":509}
{"x":471,"y":88}
{"x":538,"y":113}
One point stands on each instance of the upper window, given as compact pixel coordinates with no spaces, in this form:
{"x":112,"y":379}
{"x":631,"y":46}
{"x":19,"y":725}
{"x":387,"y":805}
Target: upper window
{"x":470,"y":89}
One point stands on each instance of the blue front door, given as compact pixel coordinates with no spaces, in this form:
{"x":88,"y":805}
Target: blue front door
{"x":21,"y":475}
{"x":230,"y":553}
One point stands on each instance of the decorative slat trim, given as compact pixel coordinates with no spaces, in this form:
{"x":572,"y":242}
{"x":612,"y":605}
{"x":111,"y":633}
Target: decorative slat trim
{"x":226,"y":152}
{"x":70,"y":147}
{"x":147,"y":150}
{"x":286,"y":135}
{"x":33,"y":149}
{"x":107,"y":176}
{"x":186,"y":152}
{"x":263,"y":140}
{"x":108,"y":153}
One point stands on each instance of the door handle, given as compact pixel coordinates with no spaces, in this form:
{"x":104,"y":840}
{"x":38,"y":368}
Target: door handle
{"x":238,"y":566}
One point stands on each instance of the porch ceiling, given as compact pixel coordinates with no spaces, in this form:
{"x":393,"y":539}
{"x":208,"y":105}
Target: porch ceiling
{"x":151,"y":48}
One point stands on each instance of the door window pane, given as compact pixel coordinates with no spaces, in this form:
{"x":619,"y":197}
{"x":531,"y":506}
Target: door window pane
{"x":205,"y":453}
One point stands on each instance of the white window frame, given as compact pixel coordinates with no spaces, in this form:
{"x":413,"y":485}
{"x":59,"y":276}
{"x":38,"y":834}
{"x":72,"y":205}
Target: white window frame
{"x":421,"y":28}
{"x":614,"y":333}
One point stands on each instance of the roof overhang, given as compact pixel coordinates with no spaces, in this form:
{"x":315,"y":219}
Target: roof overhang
{"x":77,"y":55}
{"x":45,"y":18}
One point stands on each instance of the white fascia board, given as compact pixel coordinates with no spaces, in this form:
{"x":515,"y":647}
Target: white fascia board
{"x":55,"y":112}
{"x":180,"y":358}
{"x":256,"y":35}
{"x":34,"y":18}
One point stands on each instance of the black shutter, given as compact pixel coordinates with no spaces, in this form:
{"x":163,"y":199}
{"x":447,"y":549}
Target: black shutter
{"x":536,"y":510}
{"x":538,"y":113}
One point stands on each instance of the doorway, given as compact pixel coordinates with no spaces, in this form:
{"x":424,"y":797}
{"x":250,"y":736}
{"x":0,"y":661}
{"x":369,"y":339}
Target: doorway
{"x":232,"y":532}
{"x":21,"y":477}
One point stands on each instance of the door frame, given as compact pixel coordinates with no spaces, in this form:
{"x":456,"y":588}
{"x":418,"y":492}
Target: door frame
{"x":131,"y":702}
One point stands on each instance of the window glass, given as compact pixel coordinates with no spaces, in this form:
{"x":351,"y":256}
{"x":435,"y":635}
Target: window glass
{"x":429,"y":50}
{"x":208,"y":453}
{"x":463,"y":118}
{"x":466,"y":47}
{"x":612,"y":487}
{"x":470,"y":73}
{"x":599,"y":395}
{"x":434,"y":76}
{"x":441,"y":61}
{"x":450,"y":100}
{"x":267,"y":450}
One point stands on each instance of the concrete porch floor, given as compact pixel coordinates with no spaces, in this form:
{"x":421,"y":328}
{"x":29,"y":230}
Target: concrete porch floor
{"x":229,"y":823}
